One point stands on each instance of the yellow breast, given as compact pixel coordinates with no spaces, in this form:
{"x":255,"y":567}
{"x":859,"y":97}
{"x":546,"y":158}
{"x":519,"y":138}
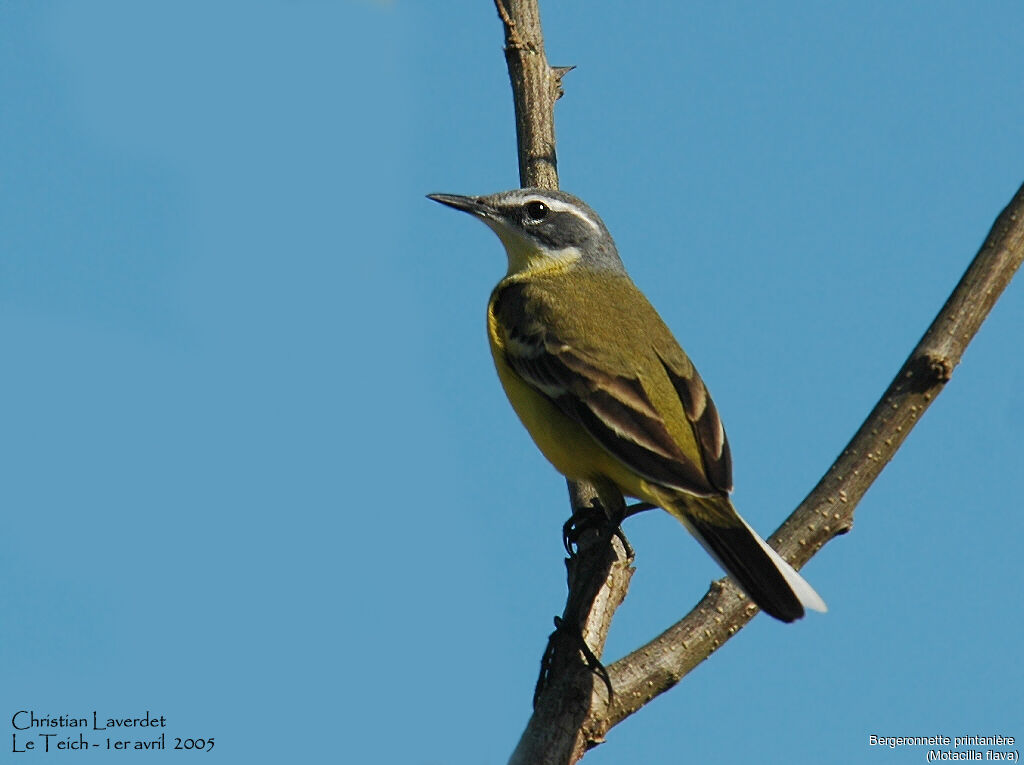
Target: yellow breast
{"x":565,"y":443}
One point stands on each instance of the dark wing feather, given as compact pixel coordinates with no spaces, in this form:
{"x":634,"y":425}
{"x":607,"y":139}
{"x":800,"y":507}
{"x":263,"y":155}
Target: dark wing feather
{"x":701,"y":411}
{"x":614,"y":409}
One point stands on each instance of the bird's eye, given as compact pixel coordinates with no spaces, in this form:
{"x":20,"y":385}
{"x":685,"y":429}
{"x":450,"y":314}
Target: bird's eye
{"x":536,"y":211}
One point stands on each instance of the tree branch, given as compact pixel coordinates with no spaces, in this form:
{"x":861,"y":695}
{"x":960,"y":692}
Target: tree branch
{"x":535,"y":88}
{"x":600,"y":572}
{"x":828,"y":510}
{"x":573,"y":713}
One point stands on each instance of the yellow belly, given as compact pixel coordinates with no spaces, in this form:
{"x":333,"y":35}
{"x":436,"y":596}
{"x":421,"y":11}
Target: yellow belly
{"x":565,"y":443}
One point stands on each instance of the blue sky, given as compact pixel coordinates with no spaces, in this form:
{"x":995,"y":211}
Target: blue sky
{"x":258,"y":475}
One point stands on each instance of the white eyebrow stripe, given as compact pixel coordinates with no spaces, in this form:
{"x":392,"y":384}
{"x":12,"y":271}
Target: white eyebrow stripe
{"x":559,"y":206}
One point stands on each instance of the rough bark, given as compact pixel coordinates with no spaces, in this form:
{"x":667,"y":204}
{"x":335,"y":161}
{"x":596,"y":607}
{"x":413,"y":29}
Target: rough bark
{"x":573,"y":710}
{"x":599,"y":573}
{"x":828,"y":510}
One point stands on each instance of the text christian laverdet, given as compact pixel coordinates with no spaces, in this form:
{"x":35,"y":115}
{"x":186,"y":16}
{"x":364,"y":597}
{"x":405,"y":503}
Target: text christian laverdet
{"x":44,"y":733}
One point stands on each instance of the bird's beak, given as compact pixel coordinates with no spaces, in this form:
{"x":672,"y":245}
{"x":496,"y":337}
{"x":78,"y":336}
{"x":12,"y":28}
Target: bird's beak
{"x":472,"y":205}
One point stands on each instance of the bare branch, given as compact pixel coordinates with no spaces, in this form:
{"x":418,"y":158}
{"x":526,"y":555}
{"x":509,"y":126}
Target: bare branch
{"x":600,"y":572}
{"x":828,"y":510}
{"x":573,"y":712}
{"x":535,"y":88}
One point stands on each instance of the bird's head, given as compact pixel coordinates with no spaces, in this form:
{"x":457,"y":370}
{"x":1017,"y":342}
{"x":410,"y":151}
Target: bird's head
{"x":542,"y":229}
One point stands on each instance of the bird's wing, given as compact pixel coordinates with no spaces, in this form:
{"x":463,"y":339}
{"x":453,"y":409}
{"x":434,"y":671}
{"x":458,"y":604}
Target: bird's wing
{"x":702,"y":414}
{"x":613,"y":405}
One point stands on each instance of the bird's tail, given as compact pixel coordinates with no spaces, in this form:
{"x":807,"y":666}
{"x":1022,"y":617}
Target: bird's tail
{"x":760,"y":571}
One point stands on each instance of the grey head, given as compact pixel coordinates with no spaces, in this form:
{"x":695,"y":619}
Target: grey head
{"x":540,"y":227}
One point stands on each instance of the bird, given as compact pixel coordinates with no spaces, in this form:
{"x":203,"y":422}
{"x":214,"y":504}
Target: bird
{"x":605,"y":390}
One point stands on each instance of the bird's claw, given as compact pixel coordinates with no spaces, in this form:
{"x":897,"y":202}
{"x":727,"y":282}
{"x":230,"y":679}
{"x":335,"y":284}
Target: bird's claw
{"x":592,"y":662}
{"x":592,"y":518}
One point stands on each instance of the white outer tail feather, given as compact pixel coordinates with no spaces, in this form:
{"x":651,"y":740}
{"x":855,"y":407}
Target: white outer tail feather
{"x":804,"y":592}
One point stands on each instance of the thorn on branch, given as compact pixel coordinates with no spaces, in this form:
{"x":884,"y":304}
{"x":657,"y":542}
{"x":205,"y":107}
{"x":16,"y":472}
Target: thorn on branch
{"x":557,"y":73}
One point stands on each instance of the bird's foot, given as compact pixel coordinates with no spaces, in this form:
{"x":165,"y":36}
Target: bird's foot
{"x":636,"y":508}
{"x":589,"y":659}
{"x":594,"y":518}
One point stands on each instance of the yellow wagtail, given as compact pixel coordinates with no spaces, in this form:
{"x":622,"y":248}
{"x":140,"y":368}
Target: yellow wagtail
{"x":606,"y":392}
